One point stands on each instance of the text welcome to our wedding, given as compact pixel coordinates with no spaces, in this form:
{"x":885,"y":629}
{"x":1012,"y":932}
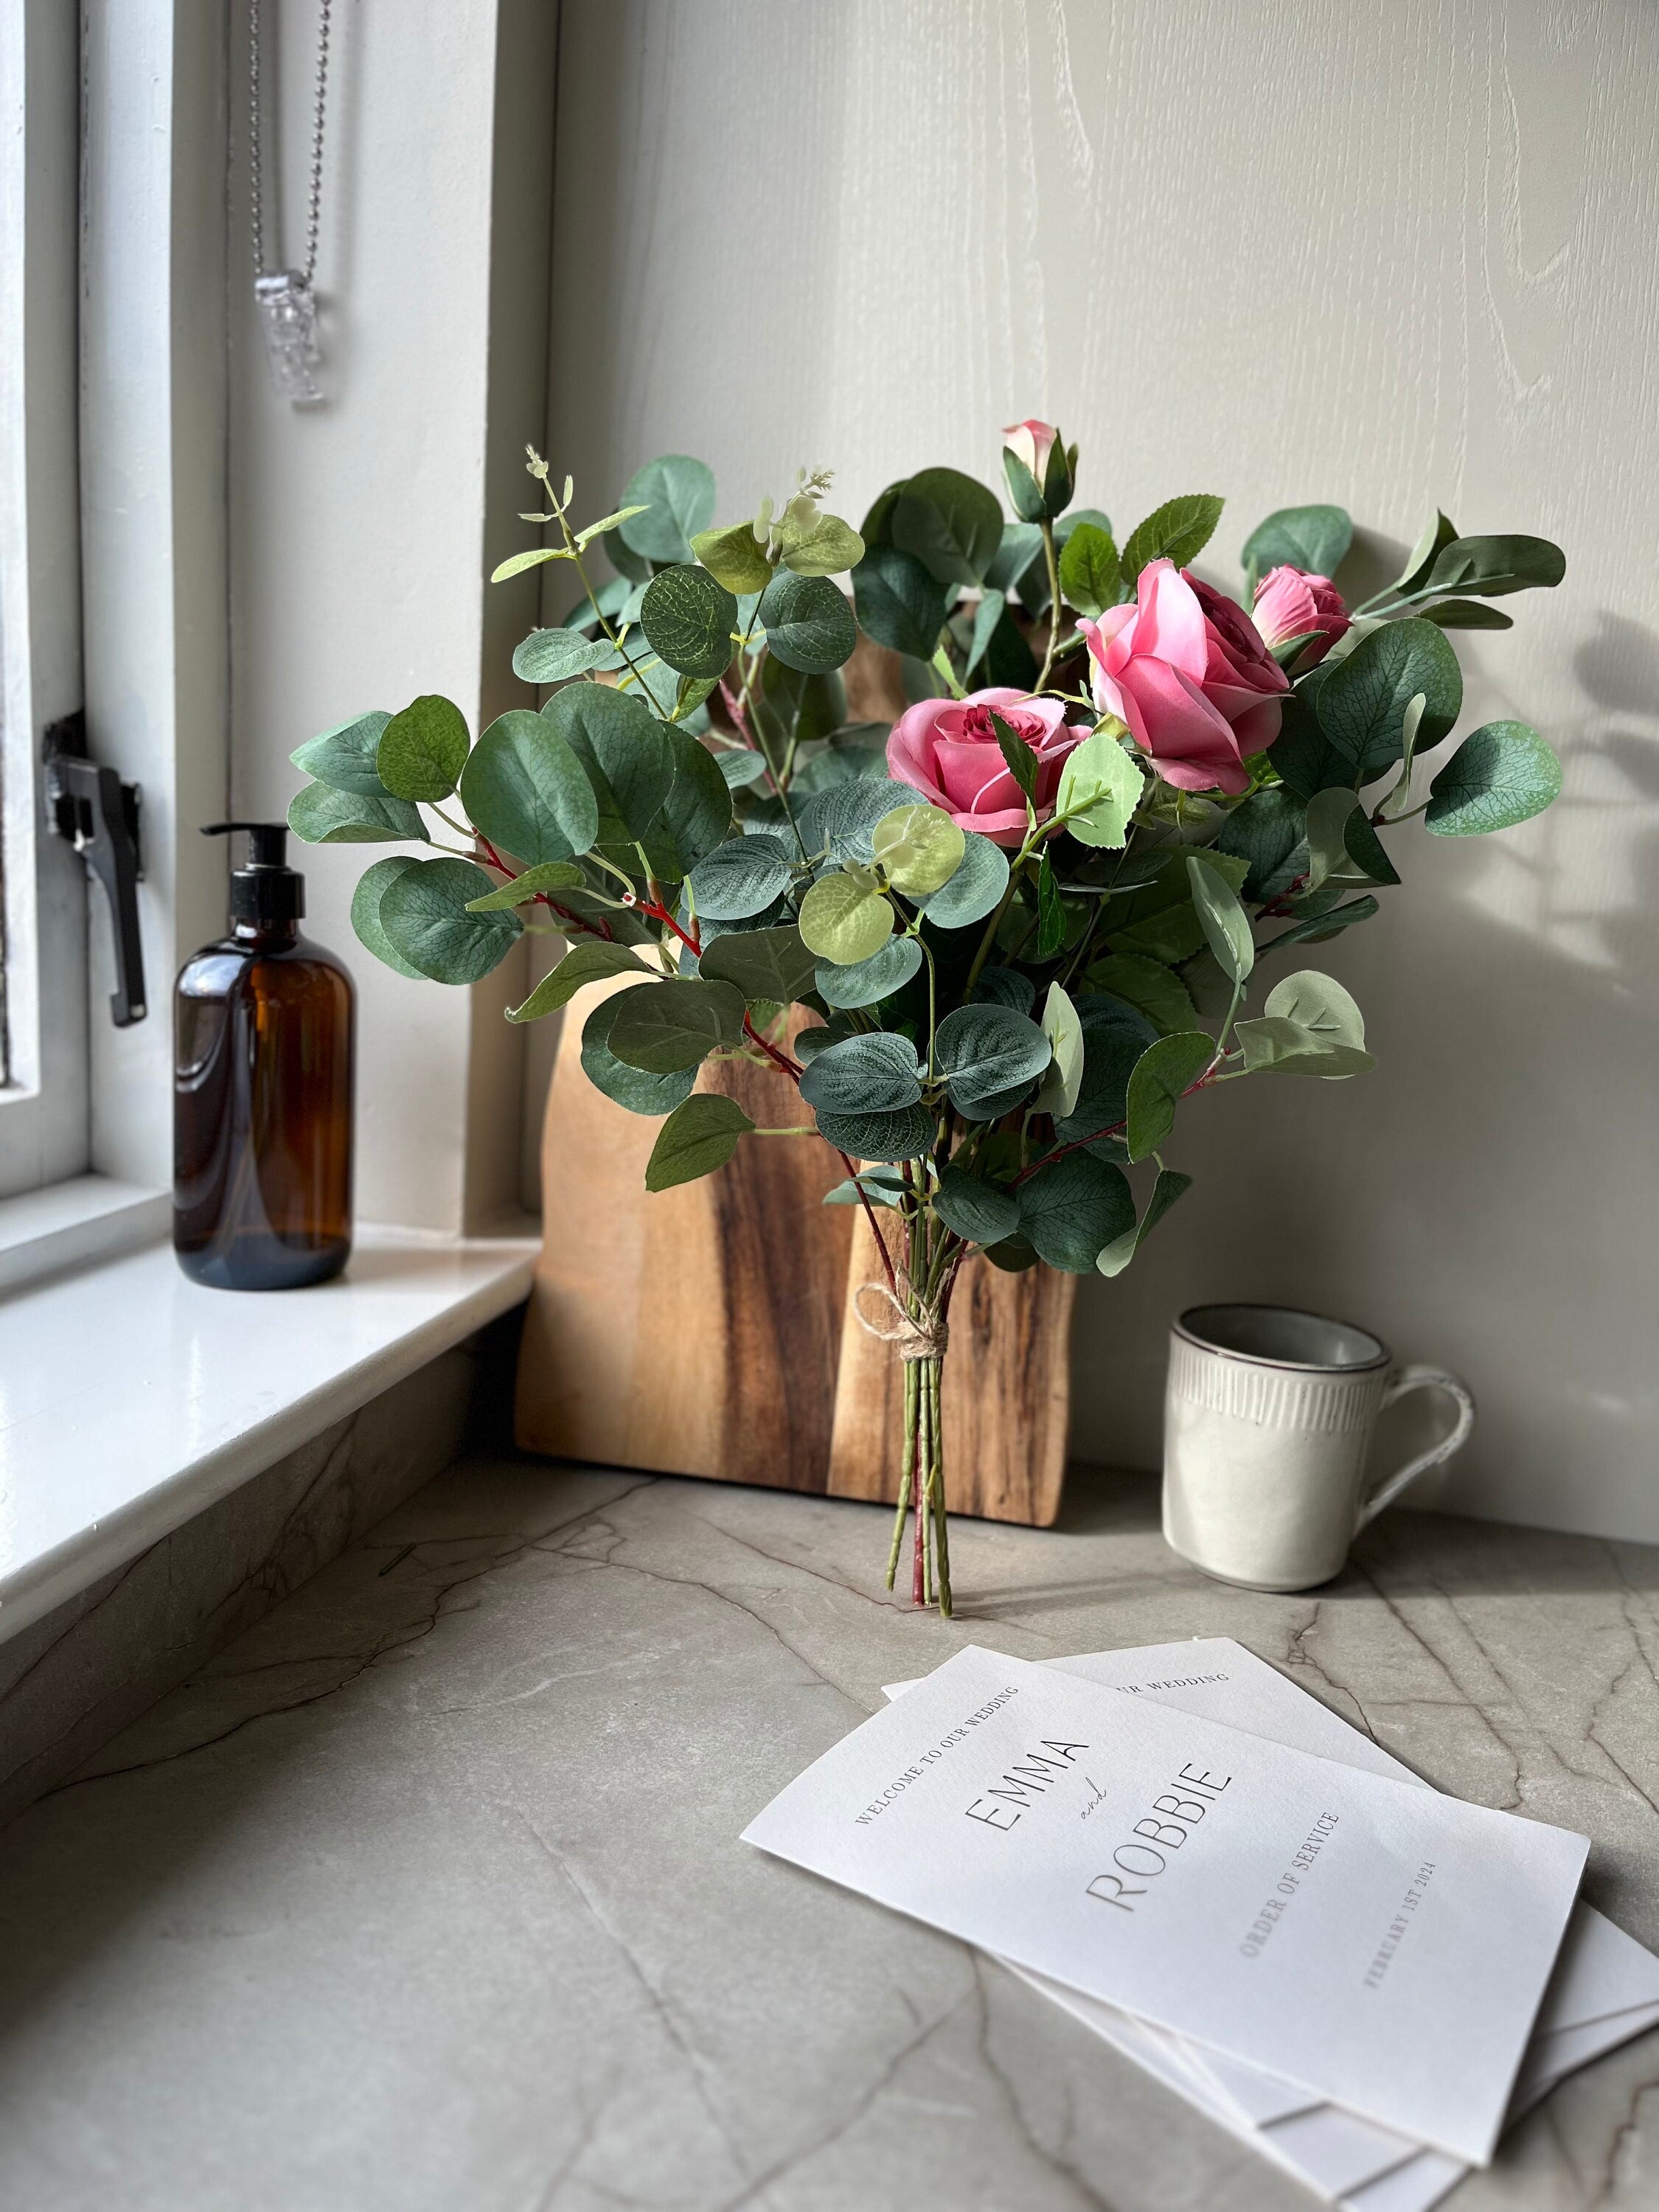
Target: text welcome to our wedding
{"x":897,"y":1788}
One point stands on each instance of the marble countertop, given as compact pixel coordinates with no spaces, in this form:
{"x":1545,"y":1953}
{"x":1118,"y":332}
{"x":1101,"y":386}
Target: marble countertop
{"x":426,"y":1897}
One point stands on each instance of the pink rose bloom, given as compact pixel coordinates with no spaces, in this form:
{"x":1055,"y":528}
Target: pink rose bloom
{"x":947,"y":749}
{"x":1290,"y":603}
{"x":1032,"y":442}
{"x":1185,"y":668}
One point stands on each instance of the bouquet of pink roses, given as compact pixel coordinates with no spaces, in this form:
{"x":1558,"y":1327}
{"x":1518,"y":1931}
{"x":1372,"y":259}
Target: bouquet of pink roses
{"x":1029,"y":919}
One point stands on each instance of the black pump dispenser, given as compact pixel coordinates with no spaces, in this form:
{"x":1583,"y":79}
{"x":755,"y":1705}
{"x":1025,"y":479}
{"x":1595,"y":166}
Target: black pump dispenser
{"x":264,"y":891}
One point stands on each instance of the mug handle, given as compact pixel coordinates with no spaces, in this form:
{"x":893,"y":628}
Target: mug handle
{"x":1406,"y":1379}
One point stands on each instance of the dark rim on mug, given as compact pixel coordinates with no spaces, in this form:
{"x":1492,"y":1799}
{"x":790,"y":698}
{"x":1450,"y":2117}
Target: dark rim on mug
{"x":1190,"y":1327}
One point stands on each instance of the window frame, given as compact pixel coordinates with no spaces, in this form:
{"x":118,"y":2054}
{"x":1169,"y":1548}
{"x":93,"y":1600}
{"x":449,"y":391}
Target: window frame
{"x":45,"y":1100}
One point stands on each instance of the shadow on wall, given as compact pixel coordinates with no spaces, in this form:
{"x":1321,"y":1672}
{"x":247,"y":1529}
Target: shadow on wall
{"x":1488,"y":1188}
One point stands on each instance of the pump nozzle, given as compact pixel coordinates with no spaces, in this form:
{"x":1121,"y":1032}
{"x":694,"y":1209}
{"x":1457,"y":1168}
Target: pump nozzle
{"x":265,"y":889}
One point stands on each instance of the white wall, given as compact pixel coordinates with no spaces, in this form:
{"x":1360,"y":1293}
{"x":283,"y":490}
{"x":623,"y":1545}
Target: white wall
{"x":361,"y":531}
{"x":1284,"y":250}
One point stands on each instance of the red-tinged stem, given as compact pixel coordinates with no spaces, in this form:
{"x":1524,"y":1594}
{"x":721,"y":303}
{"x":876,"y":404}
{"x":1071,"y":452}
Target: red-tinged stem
{"x":600,"y":928}
{"x":1202,"y":1083}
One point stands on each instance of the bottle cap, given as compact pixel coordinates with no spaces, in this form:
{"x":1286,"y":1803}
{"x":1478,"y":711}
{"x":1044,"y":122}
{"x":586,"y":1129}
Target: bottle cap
{"x":265,"y":889}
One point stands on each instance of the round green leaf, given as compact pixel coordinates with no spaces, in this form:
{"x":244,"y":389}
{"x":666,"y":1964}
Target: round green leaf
{"x":1311,"y":538}
{"x":904,"y":1135}
{"x":628,"y":1087}
{"x":1502,"y":774}
{"x":866,"y":983}
{"x":1147,"y":986}
{"x":1115,"y":1036}
{"x":1361,"y":705}
{"x":740,"y":877}
{"x":920,"y":847}
{"x":950,"y":522}
{"x":844,"y":920}
{"x":687,"y":619}
{"x":842,"y":820}
{"x":740,"y":768}
{"x":1160,"y":1081}
{"x":899,"y":604}
{"x":524,"y":789}
{"x":1069,"y":1212}
{"x":549,"y":656}
{"x":818,"y":545}
{"x":698,"y":1137}
{"x":677,"y":497}
{"x":1309,"y":1026}
{"x":981,"y":1212}
{"x":986,"y":1050}
{"x":771,"y":964}
{"x":345,"y":756}
{"x":664,"y":1027}
{"x":869,"y":1074}
{"x":324,"y":815}
{"x":423,"y":750}
{"x":734,"y":557}
{"x":975,"y":888}
{"x":424,"y":914}
{"x":372,"y":887}
{"x":808,"y":624}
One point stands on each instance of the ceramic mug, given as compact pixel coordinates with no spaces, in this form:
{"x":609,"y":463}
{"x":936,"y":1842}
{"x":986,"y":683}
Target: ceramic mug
{"x":1267,"y":1421}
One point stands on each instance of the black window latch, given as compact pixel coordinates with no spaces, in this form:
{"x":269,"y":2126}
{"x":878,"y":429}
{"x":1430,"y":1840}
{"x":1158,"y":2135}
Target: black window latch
{"x":99,"y":815}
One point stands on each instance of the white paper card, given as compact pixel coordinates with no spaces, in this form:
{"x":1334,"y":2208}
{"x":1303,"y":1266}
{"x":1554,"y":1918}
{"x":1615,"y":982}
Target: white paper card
{"x":1370,"y":1940}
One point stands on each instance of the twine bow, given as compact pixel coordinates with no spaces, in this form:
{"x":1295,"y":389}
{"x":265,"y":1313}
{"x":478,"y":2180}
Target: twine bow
{"x":924,"y":1335}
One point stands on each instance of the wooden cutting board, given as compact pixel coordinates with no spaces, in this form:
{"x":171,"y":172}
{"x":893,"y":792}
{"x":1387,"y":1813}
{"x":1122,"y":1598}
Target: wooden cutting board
{"x":708,"y":1330}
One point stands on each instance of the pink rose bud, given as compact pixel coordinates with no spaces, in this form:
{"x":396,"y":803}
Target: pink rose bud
{"x":1291,"y":604}
{"x":1039,"y":468}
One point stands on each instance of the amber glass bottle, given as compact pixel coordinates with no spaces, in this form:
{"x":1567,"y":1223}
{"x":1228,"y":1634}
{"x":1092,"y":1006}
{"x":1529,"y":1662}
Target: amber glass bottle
{"x":263,"y":1083}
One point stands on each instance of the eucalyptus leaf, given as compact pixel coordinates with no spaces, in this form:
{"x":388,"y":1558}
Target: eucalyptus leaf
{"x":1361,"y":706}
{"x":1051,"y":912}
{"x":818,"y":546}
{"x":583,"y":963}
{"x":1264,"y":832}
{"x":950,"y":522}
{"x":1439,"y":534}
{"x":740,"y":877}
{"x":1487,"y":567}
{"x":1162,"y":1077}
{"x":1312,"y":539}
{"x":1069,"y":1211}
{"x":1169,"y":1187}
{"x":842,"y":821}
{"x":845,"y":918}
{"x":1502,"y":774}
{"x":652,"y":786}
{"x":881,"y":1186}
{"x":899,"y":604}
{"x":699,"y":1137}
{"x":982,"y":1212}
{"x":869,"y":1074}
{"x":662,"y":1028}
{"x":1225,"y":925}
{"x":1115,"y":1036}
{"x":345,"y":758}
{"x":762,"y":964}
{"x":424,"y":913}
{"x":987,"y":615}
{"x":372,"y":886}
{"x":1057,"y":1094}
{"x":687,"y":618}
{"x":1308,"y":1026}
{"x":323,"y":814}
{"x":1178,"y":530}
{"x":549,"y":656}
{"x":734,"y":557}
{"x":974,"y":889}
{"x":985,"y":1050}
{"x":808,"y":624}
{"x":920,"y":847}
{"x":676,"y":496}
{"x":628,"y":1087}
{"x":904,"y":1135}
{"x":1322,"y":925}
{"x":516,"y":563}
{"x":547,"y":876}
{"x":1004,"y":987}
{"x":1467,"y":614}
{"x":423,"y":750}
{"x":740,"y":768}
{"x":524,"y":789}
{"x":866,"y":983}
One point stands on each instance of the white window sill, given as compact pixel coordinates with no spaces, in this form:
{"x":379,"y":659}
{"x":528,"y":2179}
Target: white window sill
{"x":130,"y":1398}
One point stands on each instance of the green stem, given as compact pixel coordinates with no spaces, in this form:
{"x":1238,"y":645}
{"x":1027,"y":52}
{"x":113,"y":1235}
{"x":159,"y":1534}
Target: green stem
{"x":906,"y":1470}
{"x":1053,"y":566}
{"x":935,"y":1378}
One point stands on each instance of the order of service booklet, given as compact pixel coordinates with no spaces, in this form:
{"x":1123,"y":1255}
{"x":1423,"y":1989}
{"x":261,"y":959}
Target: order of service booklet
{"x":1605,"y":1988}
{"x":1367,"y":1939}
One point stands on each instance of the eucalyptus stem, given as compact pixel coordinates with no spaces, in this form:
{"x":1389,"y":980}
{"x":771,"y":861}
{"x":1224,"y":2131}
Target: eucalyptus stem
{"x":1053,"y":566}
{"x":933,"y":1378}
{"x":906,"y":1470}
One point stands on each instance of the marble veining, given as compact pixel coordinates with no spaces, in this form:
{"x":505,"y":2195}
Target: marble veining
{"x":426,"y":1892}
